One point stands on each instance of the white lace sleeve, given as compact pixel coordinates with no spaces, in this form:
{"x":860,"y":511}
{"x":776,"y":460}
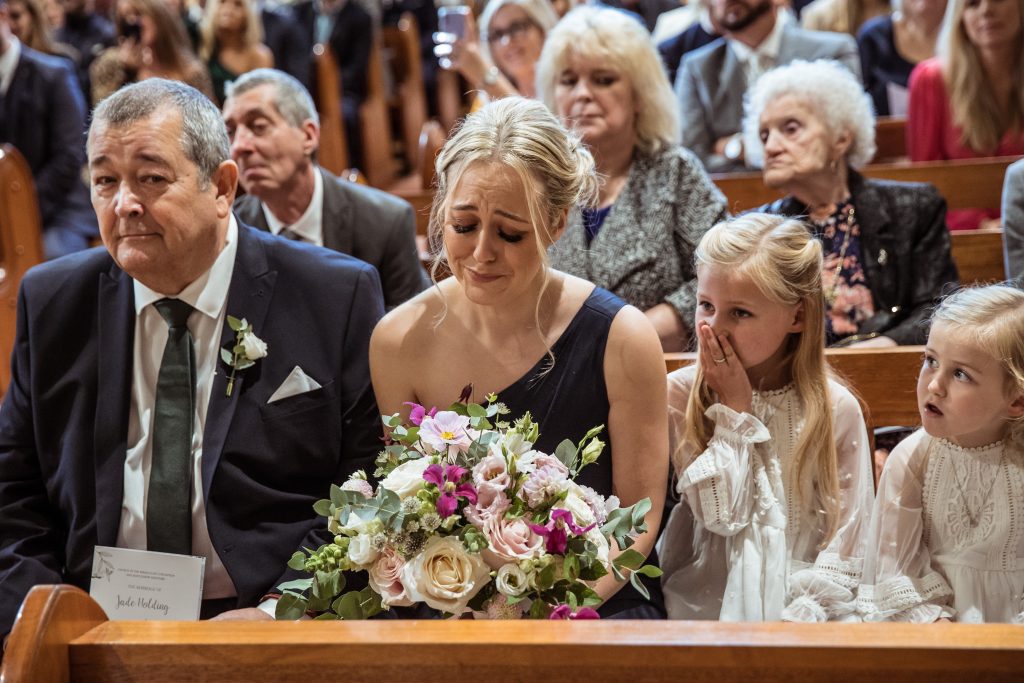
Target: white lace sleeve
{"x":899,"y":583}
{"x":718,"y":484}
{"x":823,"y":582}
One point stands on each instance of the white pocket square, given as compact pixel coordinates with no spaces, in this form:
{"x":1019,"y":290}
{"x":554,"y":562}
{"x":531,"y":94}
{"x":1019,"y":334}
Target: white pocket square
{"x":297,"y":383}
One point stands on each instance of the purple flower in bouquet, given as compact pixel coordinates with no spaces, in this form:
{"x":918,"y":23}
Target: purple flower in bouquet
{"x":445,"y":431}
{"x":565,"y":612}
{"x":556,"y":530}
{"x":418,"y":412}
{"x":447,"y":479}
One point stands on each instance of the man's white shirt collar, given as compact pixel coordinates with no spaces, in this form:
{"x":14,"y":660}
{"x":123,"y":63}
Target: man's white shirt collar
{"x":769,"y":47}
{"x":310,"y":223}
{"x":209,"y":292}
{"x":8,"y":63}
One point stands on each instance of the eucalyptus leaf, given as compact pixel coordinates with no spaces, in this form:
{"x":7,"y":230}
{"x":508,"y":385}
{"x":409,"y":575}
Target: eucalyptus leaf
{"x":290,"y":607}
{"x":630,"y":559}
{"x":298,"y":561}
{"x":227,"y":356}
{"x":649,"y":570}
{"x":476,"y":410}
{"x":236,"y":324}
{"x":634,"y":579}
{"x":347,"y":607}
{"x":566,"y":453}
{"x":322,"y":507}
{"x":296,"y":585}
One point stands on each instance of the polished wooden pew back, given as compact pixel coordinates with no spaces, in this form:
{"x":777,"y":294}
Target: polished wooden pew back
{"x":76,"y":644}
{"x":21,"y":245}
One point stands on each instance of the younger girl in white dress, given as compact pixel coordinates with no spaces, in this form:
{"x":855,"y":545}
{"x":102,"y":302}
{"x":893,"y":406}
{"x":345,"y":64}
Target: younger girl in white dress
{"x":771,"y":455}
{"x":948,"y":536}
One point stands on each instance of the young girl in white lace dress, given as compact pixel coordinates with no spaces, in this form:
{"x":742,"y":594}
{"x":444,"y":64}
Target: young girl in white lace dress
{"x":771,"y":455}
{"x":948,"y":536}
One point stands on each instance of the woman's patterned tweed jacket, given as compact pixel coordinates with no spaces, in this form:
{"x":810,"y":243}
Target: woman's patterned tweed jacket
{"x":644,"y":251}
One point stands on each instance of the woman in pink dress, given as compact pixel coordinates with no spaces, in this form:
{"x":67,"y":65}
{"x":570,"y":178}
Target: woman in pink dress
{"x":969,"y":101}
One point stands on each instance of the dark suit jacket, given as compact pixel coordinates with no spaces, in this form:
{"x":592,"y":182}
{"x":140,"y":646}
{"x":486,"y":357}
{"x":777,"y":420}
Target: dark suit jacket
{"x":292,"y":48}
{"x":673,"y":49}
{"x":366,"y":223}
{"x":43,"y":115}
{"x":905,"y":249}
{"x":350,"y":41}
{"x":64,"y":421}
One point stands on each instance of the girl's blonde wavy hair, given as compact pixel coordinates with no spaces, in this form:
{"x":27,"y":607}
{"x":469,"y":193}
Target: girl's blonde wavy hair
{"x":971,"y":100}
{"x":992,"y":318}
{"x":783,"y":260}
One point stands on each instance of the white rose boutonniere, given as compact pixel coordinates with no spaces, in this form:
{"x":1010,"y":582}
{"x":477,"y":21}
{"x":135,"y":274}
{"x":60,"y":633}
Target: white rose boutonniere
{"x":247,"y":350}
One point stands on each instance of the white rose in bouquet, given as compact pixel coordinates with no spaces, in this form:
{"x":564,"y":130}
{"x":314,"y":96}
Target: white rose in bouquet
{"x":361,"y":551}
{"x":511,"y":580}
{"x":407,"y":479}
{"x":444,"y":575}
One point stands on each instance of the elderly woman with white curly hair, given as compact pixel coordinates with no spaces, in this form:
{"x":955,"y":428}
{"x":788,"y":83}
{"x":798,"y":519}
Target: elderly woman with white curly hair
{"x":601,"y":74}
{"x":885,"y":243}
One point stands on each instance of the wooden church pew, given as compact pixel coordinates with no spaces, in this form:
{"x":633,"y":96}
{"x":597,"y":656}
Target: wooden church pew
{"x":62,"y":635}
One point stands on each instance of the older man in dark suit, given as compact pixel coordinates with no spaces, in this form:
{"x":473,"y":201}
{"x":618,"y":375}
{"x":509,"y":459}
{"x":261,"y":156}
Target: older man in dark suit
{"x":42,"y":113}
{"x":275,"y":131}
{"x":124,"y":425}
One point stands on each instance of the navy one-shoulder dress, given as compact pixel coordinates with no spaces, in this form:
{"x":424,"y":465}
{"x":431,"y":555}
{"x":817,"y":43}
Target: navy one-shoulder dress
{"x":570,"y":399}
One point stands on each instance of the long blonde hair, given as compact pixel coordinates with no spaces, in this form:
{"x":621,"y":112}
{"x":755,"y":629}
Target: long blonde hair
{"x":992,"y":318}
{"x":252,"y":35}
{"x":971,"y":100}
{"x":783,"y":260}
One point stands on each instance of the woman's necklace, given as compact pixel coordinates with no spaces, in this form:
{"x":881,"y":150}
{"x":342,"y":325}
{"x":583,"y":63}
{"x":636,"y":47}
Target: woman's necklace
{"x":975,"y":516}
{"x":831,"y":294}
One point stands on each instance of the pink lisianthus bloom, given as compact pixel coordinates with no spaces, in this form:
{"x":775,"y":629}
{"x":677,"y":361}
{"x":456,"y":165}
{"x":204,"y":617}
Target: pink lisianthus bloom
{"x":447,"y":479}
{"x":417,"y":412}
{"x":385,"y":577}
{"x":563,"y":612}
{"x":556,"y":531}
{"x":488,"y":505}
{"x":543,"y":483}
{"x":446,"y":432}
{"x":493,"y":472}
{"x":510,"y":541}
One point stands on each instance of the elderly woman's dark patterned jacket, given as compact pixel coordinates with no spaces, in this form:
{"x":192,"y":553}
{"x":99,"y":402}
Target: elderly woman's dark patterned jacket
{"x":905,"y":248}
{"x":644,"y":250}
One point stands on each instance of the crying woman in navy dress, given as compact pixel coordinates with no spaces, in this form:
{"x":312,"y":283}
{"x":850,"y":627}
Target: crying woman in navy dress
{"x":573,"y":355}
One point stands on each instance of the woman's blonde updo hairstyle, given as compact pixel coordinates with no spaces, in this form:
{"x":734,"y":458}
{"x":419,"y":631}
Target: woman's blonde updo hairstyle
{"x":554,"y":166}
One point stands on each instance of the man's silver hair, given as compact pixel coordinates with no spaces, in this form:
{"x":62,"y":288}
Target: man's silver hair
{"x":827,"y":87}
{"x":204,"y":139}
{"x":291,"y":98}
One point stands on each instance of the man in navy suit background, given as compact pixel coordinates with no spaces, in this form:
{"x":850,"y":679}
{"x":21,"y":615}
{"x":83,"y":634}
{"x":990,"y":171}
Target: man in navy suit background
{"x":42,"y":113}
{"x":80,"y":426}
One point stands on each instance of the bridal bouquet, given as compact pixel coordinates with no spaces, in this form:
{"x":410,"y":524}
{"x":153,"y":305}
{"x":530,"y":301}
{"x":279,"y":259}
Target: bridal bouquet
{"x":469,"y":517}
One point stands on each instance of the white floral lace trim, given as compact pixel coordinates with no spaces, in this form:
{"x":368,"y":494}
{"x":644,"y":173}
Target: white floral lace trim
{"x":846,"y":573}
{"x":995,"y":446}
{"x":900,"y":593}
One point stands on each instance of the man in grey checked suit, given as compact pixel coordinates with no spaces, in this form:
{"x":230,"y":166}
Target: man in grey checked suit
{"x":712,"y":80}
{"x":275,"y":132}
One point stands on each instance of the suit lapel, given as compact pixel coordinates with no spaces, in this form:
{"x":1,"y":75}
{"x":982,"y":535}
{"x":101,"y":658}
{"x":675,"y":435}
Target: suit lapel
{"x":336,"y":215}
{"x":114,"y":365}
{"x":252,"y":288}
